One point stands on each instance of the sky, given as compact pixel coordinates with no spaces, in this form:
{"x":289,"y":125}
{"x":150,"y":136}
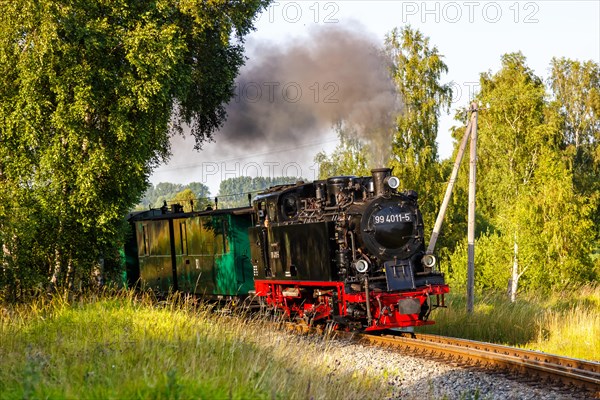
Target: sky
{"x":471,"y":35}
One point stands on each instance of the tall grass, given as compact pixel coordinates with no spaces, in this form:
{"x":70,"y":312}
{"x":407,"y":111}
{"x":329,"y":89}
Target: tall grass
{"x":129,"y":347}
{"x":565,"y":323}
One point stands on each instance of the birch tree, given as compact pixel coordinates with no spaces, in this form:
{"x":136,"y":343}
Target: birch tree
{"x":575,"y":88}
{"x":417,"y":68}
{"x":525,"y":188}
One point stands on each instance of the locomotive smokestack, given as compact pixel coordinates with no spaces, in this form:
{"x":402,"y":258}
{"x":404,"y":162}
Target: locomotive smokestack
{"x":379,"y":177}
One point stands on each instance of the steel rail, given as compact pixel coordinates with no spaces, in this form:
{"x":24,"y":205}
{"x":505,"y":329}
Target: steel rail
{"x":569,"y":371}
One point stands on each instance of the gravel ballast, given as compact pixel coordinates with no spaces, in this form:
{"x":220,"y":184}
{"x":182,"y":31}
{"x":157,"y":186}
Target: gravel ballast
{"x":411,"y":377}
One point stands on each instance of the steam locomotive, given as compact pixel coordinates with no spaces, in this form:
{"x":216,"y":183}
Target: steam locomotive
{"x":348,"y":251}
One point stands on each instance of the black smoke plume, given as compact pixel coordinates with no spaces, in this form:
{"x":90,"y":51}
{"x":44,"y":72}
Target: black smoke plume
{"x":291,"y":93}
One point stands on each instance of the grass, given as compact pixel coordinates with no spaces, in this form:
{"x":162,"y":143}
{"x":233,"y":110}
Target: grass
{"x":566,"y":323}
{"x":125,"y":347}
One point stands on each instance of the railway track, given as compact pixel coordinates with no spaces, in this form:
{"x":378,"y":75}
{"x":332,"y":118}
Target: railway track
{"x":536,"y":365}
{"x":539,"y":368}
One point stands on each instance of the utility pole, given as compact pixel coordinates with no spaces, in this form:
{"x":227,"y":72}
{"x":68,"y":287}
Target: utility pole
{"x":471,"y":132}
{"x":442,"y":213}
{"x":471,"y":221}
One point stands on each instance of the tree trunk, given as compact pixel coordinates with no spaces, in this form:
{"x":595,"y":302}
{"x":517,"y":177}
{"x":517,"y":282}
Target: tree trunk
{"x":514,"y":281}
{"x":54,"y":278}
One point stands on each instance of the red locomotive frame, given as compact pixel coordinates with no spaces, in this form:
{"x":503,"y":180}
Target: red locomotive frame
{"x":318,"y":301}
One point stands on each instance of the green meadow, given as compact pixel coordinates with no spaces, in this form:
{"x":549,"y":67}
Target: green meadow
{"x":126,"y":345}
{"x":134,"y":347}
{"x":565,"y":323}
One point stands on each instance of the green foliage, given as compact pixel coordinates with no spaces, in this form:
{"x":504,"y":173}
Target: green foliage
{"x":350,"y":157}
{"x":512,"y":133}
{"x":233,"y":192}
{"x":187,"y":199}
{"x":576,"y":89}
{"x":89,"y":92}
{"x":529,"y":213}
{"x":417,"y":69}
{"x":491,"y":250}
{"x":560,"y":225}
{"x":155,"y":196}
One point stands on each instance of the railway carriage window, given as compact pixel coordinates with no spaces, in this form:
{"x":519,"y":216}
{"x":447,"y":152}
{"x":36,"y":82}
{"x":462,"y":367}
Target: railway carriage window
{"x":207,"y":237}
{"x":289,"y":207}
{"x":221,"y":246}
{"x":159,"y":243}
{"x":144,"y":247}
{"x":272,"y":212}
{"x":183,"y":236}
{"x":196,"y":237}
{"x":224,"y":236}
{"x":260,"y":210}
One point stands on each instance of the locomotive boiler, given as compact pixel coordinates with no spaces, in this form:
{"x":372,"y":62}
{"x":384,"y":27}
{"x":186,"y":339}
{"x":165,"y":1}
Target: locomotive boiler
{"x":348,"y":250}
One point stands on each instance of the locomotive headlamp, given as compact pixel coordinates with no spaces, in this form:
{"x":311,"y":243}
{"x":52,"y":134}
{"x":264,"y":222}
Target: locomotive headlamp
{"x":393,"y":182}
{"x":428,"y":260}
{"x":361,"y":266}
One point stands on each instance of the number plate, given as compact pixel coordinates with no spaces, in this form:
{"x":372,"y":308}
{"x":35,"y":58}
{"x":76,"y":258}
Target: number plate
{"x":392,"y":218}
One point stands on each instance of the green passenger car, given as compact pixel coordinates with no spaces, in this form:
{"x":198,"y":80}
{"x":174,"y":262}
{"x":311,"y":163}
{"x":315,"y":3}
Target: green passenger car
{"x":206,"y":253}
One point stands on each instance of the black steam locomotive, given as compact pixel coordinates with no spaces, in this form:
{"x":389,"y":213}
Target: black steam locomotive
{"x":348,"y":251}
